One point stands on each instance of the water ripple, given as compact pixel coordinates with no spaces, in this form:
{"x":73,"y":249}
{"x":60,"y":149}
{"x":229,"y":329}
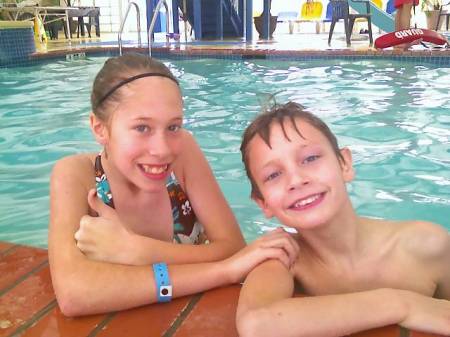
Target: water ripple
{"x":394,"y":117}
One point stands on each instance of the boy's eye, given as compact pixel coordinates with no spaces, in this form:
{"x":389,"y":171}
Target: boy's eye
{"x":310,"y":159}
{"x":142,"y":128}
{"x":174,"y":127}
{"x":272,"y":176}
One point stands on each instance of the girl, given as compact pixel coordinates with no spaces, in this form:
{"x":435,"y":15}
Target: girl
{"x":114,"y":214}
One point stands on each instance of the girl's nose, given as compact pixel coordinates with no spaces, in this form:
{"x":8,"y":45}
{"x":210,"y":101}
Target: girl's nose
{"x":159,"y":145}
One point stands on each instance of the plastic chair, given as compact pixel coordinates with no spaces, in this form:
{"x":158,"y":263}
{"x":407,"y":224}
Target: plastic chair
{"x":311,"y":11}
{"x":445,"y":14}
{"x":341,"y":11}
{"x":328,"y":15}
{"x":289,"y":17}
{"x":390,"y":8}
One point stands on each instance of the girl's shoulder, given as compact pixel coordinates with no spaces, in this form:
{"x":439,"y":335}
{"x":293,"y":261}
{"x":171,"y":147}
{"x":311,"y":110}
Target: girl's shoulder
{"x":191,"y":157}
{"x":78,"y":167}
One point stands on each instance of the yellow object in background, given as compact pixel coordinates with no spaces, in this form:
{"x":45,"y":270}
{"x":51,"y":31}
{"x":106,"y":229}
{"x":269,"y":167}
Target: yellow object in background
{"x":39,"y":30}
{"x":378,"y":3}
{"x":311,"y":10}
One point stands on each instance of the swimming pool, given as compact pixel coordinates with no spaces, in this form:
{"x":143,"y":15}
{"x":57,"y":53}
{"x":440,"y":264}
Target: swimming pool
{"x":395,"y":117}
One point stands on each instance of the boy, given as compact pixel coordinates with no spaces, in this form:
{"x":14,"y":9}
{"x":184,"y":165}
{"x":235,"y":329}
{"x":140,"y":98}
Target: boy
{"x":365,"y":273}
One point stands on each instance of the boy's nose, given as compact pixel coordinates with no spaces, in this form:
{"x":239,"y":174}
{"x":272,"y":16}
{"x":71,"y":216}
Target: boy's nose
{"x":297,"y":180}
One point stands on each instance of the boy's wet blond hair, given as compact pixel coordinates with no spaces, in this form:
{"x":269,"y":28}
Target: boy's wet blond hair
{"x":261,"y":126}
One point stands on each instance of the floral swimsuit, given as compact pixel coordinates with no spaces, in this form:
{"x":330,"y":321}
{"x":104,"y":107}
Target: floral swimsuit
{"x":185,"y":226}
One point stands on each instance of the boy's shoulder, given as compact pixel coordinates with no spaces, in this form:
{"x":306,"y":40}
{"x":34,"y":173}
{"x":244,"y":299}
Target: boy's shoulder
{"x":422,"y":239}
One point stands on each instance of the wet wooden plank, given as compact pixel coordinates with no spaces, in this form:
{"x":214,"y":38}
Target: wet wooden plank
{"x":423,"y":334}
{"x":214,"y":315}
{"x":17,"y":263}
{"x":27,"y":299}
{"x":150,"y":320}
{"x":5,"y":245}
{"x":55,"y":324}
{"x":388,"y":331}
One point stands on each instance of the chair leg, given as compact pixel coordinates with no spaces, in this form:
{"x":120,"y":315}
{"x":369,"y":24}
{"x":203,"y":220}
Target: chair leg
{"x":438,"y":20}
{"x":348,"y":32}
{"x":350,"y":25}
{"x":330,"y":34}
{"x":369,"y":26}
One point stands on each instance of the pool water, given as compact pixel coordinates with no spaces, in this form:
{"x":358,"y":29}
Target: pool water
{"x":394,"y":116}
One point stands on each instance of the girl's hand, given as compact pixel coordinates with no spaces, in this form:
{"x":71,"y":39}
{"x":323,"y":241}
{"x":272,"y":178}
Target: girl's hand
{"x":426,"y":313}
{"x":277,"y":244}
{"x":104,"y":238}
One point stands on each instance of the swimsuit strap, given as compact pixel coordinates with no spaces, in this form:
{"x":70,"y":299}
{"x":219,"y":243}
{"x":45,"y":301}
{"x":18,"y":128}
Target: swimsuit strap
{"x":183,"y":215}
{"x":101,"y":183}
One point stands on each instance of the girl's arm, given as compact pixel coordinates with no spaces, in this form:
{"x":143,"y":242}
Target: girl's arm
{"x":99,"y":238}
{"x":267,"y":309}
{"x":84,"y":286}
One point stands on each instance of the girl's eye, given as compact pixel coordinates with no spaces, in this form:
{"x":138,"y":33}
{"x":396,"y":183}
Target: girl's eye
{"x":310,"y":159}
{"x":272,"y":176}
{"x":174,"y":127}
{"x":142,"y":128}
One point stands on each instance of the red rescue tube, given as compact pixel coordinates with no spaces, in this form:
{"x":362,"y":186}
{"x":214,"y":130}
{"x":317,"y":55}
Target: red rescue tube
{"x":408,"y":36}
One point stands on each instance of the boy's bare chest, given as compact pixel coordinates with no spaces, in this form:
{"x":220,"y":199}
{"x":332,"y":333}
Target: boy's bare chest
{"x":324,"y":280}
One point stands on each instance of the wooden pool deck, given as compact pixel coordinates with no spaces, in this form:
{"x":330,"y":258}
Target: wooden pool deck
{"x":28,"y":308}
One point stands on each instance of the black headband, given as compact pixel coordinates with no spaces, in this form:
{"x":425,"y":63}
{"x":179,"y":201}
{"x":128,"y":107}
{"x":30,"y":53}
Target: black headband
{"x":128,"y":80}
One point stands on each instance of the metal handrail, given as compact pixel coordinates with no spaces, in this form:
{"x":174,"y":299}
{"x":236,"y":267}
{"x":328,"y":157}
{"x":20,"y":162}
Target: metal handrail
{"x":122,"y":24}
{"x":152,"y":25}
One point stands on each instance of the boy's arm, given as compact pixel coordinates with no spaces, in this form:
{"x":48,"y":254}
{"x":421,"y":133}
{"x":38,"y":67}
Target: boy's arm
{"x":266,"y":309}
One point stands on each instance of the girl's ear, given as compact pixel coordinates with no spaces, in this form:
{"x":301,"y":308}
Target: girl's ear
{"x":262,"y":204}
{"x":99,"y":129}
{"x":347,"y":165}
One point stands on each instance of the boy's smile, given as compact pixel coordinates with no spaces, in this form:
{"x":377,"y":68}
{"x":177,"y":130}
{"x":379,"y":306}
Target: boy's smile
{"x":302,"y":181}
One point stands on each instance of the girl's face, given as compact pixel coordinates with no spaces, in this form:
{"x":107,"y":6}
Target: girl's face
{"x":302,"y":181}
{"x":144,"y":131}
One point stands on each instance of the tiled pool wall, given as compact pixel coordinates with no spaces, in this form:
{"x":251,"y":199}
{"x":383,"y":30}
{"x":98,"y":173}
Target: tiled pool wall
{"x":22,"y":54}
{"x":16,"y":45}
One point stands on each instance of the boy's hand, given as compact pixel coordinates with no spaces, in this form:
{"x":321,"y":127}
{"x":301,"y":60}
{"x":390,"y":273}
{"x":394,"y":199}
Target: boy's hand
{"x":277,"y":244}
{"x":426,"y":313}
{"x":104,"y":238}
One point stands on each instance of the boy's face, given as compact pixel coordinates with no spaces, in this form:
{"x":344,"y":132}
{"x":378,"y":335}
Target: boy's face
{"x":301,"y":181}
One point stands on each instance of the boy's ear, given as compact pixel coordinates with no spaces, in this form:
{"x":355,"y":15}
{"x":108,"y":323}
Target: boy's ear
{"x":99,"y":129}
{"x":347,"y":165}
{"x":262,"y":204}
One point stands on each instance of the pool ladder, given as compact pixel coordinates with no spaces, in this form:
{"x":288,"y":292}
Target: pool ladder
{"x":151,"y":28}
{"x":122,"y":24}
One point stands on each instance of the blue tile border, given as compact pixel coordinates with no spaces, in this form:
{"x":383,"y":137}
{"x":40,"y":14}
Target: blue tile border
{"x":16,"y":45}
{"x":440,"y":58}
